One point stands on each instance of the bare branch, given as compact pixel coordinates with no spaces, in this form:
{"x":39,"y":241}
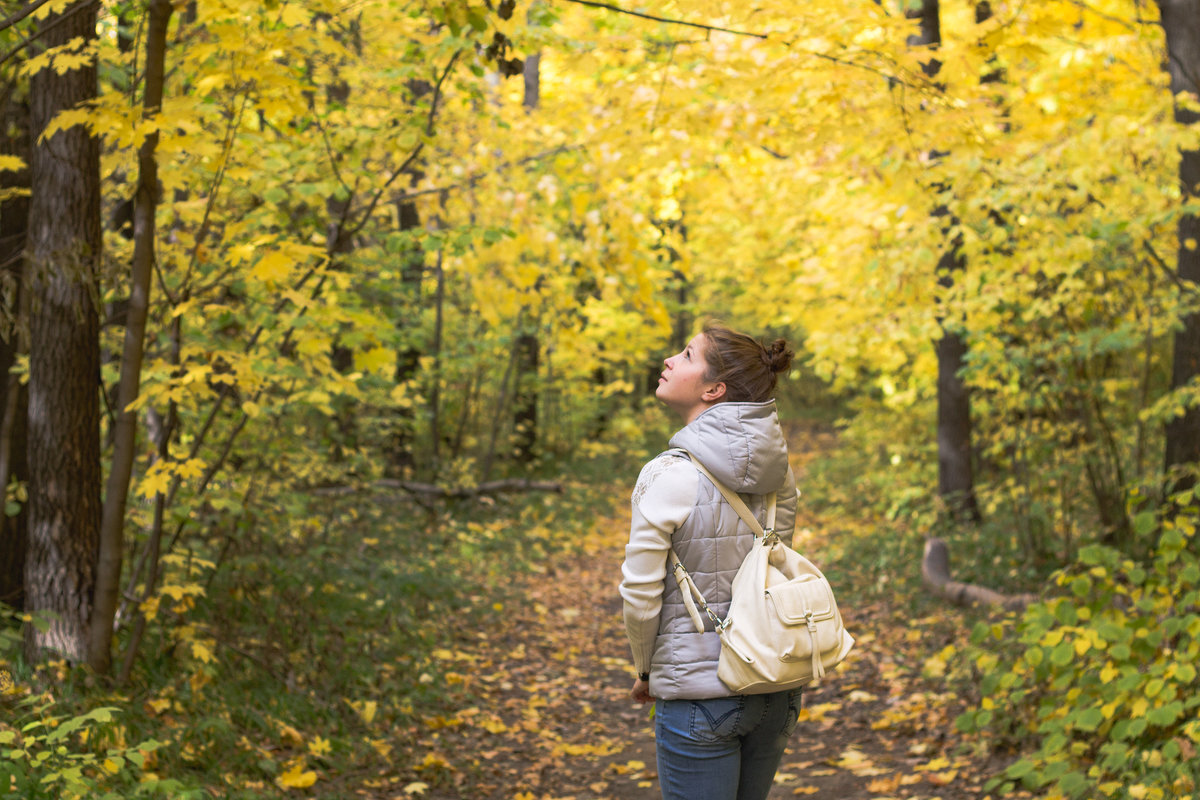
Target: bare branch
{"x":22,"y":14}
{"x":412,"y":157}
{"x":699,"y":25}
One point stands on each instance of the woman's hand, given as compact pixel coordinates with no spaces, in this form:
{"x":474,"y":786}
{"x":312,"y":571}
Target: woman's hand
{"x":641,"y":691}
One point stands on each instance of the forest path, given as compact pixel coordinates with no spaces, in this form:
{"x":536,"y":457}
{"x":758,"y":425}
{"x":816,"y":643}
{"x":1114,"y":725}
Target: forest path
{"x":550,"y":717}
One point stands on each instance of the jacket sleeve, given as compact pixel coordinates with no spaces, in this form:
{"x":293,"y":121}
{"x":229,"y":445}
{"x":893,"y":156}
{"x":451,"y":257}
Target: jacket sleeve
{"x":663,"y":498}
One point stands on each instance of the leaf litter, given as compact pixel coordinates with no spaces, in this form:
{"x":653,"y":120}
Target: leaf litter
{"x":545,"y":712}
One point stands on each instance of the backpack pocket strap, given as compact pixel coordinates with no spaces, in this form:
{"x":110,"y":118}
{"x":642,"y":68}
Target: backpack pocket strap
{"x":688,"y":588}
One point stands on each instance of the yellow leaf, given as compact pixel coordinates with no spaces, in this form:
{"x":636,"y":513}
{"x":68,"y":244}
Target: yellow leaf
{"x":319,"y":746}
{"x":297,"y":777}
{"x":374,"y":360}
{"x":11,"y":163}
{"x":367,"y":711}
{"x":201,"y":652}
{"x":150,"y":608}
{"x":192,"y":468}
{"x":273,"y":267}
{"x":64,"y":120}
{"x":289,"y":734}
{"x":493,"y":726}
{"x":433,"y":761}
{"x":416,"y":787}
{"x":155,"y":481}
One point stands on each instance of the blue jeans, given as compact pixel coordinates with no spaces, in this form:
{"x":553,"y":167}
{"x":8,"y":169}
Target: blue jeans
{"x":727,"y":748}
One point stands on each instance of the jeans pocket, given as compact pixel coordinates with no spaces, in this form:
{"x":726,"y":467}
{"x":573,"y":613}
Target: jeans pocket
{"x":793,"y":713}
{"x":717,"y":719}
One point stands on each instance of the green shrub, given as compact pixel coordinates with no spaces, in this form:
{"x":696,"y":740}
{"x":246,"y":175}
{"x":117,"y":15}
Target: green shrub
{"x":1102,"y":678}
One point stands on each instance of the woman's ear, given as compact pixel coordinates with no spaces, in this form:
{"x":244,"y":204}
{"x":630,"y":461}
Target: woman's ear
{"x":715,"y":394}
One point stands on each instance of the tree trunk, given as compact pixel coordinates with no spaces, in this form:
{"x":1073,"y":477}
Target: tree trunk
{"x":112,"y":528}
{"x":64,"y":354}
{"x":401,"y":459}
{"x":1181,"y":21}
{"x":956,"y":480}
{"x":528,"y":348}
{"x":14,"y":399}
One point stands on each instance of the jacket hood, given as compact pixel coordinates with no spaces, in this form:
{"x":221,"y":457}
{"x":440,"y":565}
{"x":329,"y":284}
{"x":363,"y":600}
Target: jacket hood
{"x":741,"y":444}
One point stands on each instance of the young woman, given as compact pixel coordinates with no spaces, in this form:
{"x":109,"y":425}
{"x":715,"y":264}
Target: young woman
{"x":711,"y":744}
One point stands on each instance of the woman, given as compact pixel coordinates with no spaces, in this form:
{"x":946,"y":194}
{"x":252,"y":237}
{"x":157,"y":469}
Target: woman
{"x":712,"y":744}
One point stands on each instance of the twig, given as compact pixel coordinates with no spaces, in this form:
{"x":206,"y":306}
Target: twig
{"x":17,"y":16}
{"x":699,"y":25}
{"x":412,"y":157}
{"x":43,"y":30}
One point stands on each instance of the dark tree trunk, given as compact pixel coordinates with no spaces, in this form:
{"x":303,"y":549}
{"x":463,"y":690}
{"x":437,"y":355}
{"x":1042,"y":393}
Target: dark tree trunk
{"x":14,"y":398}
{"x":401,"y":458}
{"x":528,"y":347}
{"x":525,"y":412}
{"x":1181,"y":21}
{"x":956,"y":480}
{"x":64,"y":354}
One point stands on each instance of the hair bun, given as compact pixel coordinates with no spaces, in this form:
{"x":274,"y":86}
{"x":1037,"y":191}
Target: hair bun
{"x":779,"y":356}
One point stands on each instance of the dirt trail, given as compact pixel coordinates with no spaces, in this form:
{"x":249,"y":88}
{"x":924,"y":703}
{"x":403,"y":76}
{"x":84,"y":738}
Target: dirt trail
{"x":549,"y":716}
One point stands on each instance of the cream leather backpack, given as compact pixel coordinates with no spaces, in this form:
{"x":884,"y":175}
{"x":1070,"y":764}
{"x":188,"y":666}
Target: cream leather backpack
{"x":783,"y":630}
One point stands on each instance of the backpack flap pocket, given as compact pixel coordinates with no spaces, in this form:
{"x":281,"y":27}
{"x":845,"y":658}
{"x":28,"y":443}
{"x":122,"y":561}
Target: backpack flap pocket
{"x":806,"y":602}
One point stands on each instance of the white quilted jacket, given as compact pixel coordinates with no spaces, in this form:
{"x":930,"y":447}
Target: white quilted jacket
{"x":674,"y":505}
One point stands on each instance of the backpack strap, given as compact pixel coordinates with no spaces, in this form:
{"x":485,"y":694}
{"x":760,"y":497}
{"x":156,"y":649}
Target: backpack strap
{"x":687,"y":586}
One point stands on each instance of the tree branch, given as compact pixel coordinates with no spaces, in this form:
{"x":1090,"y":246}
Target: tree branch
{"x":412,"y":157}
{"x":42,"y":30}
{"x":701,"y":26}
{"x":17,"y":16}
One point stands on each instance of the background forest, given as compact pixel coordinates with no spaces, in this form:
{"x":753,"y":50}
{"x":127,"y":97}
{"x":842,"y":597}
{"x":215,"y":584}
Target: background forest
{"x":326,"y":321}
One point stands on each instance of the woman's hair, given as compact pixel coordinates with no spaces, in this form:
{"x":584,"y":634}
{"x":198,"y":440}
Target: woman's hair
{"x":748,"y":369}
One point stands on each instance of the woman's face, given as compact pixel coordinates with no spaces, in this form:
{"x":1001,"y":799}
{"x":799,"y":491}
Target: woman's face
{"x":682,"y":386}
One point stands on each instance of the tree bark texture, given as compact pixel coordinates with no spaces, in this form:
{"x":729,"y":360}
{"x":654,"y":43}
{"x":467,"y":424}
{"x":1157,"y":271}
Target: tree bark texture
{"x":1181,"y":22}
{"x":956,"y":479}
{"x":14,"y":398}
{"x":145,"y":206}
{"x":64,"y":355}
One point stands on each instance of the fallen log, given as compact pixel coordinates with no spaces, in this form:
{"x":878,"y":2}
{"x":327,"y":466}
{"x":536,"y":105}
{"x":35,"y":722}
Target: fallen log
{"x":433,"y":490}
{"x":488,"y":487}
{"x":935,"y":569}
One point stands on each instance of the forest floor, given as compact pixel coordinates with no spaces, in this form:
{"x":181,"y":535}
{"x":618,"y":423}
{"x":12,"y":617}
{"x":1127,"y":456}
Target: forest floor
{"x":547,"y":713}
